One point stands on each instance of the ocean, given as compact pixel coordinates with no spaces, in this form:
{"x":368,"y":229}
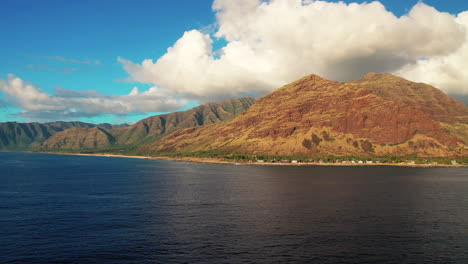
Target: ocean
{"x":78,"y":209}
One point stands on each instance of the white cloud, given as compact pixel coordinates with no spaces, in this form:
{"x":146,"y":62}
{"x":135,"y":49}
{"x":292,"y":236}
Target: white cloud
{"x":65,"y":104}
{"x":27,"y":95}
{"x":271,"y":43}
{"x":447,"y":72}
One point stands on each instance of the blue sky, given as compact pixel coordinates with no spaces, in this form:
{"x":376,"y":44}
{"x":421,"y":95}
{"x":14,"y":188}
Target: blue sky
{"x":75,"y":45}
{"x":90,"y":30}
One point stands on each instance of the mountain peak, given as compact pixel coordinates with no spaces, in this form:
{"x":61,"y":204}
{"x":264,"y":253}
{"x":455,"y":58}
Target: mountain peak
{"x":371,"y":75}
{"x":383,"y":76}
{"x":381,"y":115}
{"x":311,"y":82}
{"x":311,"y":78}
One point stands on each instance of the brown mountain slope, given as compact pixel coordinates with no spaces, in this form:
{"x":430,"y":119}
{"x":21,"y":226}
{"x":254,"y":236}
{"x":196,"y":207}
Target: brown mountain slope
{"x":314,"y":116}
{"x":157,"y":126}
{"x":79,"y":139}
{"x":150,"y":129}
{"x":430,"y":100}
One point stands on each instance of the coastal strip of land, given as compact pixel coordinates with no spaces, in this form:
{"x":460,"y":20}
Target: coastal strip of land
{"x":220,"y":161}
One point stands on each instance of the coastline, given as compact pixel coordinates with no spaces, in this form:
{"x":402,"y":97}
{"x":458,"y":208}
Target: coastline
{"x":219,"y":161}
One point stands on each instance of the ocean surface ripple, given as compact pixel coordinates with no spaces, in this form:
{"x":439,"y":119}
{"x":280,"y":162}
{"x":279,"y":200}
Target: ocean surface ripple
{"x":76,"y":209}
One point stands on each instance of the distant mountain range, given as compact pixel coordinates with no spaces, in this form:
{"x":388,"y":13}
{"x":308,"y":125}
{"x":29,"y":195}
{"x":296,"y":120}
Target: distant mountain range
{"x":147,"y":130}
{"x":380,"y":114}
{"x":29,"y":136}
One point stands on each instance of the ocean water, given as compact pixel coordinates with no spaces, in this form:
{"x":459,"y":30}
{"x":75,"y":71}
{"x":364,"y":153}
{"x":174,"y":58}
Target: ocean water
{"x":76,"y":209}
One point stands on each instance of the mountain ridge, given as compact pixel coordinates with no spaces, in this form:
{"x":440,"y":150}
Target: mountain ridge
{"x":429,"y":99}
{"x":16,"y":136}
{"x":379,"y":114}
{"x":319,"y":117}
{"x":149,"y":129}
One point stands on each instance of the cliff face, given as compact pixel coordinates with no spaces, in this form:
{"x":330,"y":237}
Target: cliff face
{"x":149,"y":129}
{"x":27,"y":136}
{"x":379,"y":114}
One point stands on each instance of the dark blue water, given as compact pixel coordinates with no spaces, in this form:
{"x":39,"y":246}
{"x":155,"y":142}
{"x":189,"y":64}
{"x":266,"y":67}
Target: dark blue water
{"x":72,"y":209}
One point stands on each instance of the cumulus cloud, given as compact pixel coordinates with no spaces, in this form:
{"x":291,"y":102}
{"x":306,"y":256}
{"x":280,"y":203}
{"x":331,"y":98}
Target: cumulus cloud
{"x":68,"y":104}
{"x":271,"y":43}
{"x":446,"y":71}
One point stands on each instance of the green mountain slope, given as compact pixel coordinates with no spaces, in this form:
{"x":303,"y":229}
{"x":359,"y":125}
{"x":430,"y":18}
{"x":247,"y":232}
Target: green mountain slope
{"x":16,"y":136}
{"x":150,"y":129}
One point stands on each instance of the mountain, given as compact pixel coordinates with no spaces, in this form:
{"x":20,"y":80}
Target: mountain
{"x":26,"y":136}
{"x":424,"y":97}
{"x":155,"y":127}
{"x":81,"y":139}
{"x":380,"y":114}
{"x":450,"y":113}
{"x":147,"y":130}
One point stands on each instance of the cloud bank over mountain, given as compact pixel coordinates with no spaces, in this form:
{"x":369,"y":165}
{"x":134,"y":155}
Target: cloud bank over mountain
{"x":67,"y":104}
{"x":267,"y":44}
{"x":270,"y":43}
{"x":447,"y":72}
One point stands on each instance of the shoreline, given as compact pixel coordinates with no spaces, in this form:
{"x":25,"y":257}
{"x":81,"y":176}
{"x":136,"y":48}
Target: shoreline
{"x":219,"y":161}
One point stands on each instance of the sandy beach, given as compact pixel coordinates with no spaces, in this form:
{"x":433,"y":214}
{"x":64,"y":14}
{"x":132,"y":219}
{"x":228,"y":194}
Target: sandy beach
{"x":219,"y":161}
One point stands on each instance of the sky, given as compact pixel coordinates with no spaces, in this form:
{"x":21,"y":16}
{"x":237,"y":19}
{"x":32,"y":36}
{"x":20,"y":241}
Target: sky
{"x":121,"y":61}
